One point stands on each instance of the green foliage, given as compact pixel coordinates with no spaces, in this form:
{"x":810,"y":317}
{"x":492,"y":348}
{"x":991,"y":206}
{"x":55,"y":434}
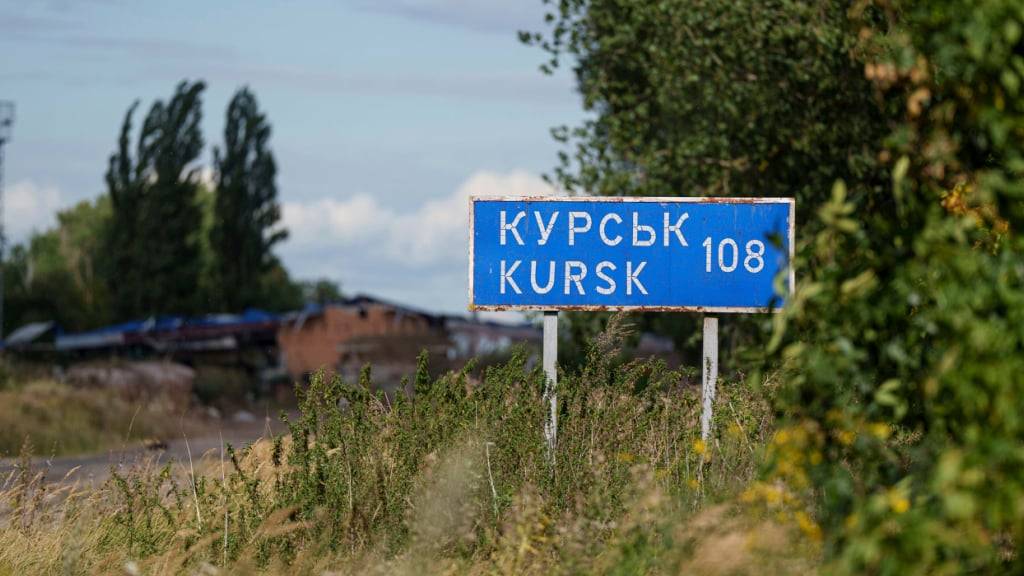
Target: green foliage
{"x":151,"y":245}
{"x":903,"y":348}
{"x":904,"y":344}
{"x":280,"y":291}
{"x":355,"y":456}
{"x":453,"y":478}
{"x":744,"y":98}
{"x":57,"y":274}
{"x":321,"y":291}
{"x":155,"y":234}
{"x":246,"y":212}
{"x":694,"y":98}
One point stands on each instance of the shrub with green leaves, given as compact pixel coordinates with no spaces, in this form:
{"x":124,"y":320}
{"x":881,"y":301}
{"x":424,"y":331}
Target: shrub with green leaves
{"x":898,"y":126}
{"x":904,"y":345}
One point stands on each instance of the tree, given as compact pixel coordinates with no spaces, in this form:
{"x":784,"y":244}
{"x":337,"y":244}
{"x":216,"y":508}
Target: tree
{"x":154,"y":240}
{"x":743,"y":98}
{"x":690,"y":98}
{"x":246,"y":211}
{"x":125,"y":272}
{"x":904,"y":346}
{"x":280,"y":292}
{"x":56,"y":274}
{"x":321,"y":291}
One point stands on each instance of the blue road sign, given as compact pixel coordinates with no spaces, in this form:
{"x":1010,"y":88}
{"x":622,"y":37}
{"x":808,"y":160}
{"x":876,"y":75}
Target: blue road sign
{"x":695,"y":254}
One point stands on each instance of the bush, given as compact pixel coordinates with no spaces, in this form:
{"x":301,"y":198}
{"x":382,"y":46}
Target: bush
{"x":904,"y":345}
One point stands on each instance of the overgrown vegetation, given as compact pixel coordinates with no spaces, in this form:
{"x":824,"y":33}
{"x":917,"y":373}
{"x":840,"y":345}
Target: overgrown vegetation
{"x":454,"y":477}
{"x":897,"y":125}
{"x":907,"y":324}
{"x":52,"y":419}
{"x":882,"y":434}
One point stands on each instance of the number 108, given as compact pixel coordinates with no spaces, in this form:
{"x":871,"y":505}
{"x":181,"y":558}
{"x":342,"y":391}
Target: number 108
{"x":728,"y":255}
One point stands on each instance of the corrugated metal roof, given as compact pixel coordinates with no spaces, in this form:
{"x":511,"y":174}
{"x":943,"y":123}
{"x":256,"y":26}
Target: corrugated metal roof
{"x":174,"y":327}
{"x":28,"y":333}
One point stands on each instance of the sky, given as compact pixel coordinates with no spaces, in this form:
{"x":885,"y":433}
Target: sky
{"x":386,"y":114}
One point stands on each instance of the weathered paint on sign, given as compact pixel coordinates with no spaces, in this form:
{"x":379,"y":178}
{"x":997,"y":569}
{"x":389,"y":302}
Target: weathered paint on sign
{"x":695,"y":254}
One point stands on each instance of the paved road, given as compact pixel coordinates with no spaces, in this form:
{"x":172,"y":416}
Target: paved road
{"x":95,"y":468}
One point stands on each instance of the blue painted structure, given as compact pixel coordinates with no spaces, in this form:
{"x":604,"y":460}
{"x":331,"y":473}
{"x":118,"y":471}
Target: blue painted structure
{"x":696,"y":254}
{"x":169,"y":329}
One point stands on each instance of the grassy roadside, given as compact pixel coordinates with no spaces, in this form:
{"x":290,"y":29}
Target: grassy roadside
{"x":455,"y":479}
{"x":52,"y":419}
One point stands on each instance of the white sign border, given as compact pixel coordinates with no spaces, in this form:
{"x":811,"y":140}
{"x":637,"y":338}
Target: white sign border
{"x":625,"y":200}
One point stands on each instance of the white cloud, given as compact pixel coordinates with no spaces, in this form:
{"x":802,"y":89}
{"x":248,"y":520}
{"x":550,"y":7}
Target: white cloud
{"x":30,"y":207}
{"x":432,"y":233}
{"x":418,"y":256}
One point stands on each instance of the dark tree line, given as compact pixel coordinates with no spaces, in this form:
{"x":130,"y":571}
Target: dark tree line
{"x":163,"y":241}
{"x":155,"y":241}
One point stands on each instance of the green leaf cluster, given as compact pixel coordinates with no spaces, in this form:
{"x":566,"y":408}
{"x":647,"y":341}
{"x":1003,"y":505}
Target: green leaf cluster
{"x":904,"y":346}
{"x":899,"y":127}
{"x":697,"y":98}
{"x":58,"y":274}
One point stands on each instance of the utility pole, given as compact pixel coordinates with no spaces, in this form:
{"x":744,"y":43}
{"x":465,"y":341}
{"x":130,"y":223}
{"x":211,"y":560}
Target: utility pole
{"x":6,"y":122}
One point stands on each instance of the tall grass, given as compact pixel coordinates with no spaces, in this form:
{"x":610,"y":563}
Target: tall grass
{"x":453,"y":478}
{"x":57,"y":419}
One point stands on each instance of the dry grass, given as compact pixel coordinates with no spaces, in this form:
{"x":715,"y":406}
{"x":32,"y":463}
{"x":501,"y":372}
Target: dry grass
{"x":56,"y":419}
{"x":69,"y":530}
{"x":454,"y":480}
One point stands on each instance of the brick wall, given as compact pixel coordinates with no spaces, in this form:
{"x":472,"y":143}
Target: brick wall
{"x":314,"y":344}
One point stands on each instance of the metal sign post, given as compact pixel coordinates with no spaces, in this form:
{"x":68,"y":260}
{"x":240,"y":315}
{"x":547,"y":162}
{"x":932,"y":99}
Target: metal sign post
{"x":707,"y":255}
{"x":550,"y":361}
{"x":709,"y":376}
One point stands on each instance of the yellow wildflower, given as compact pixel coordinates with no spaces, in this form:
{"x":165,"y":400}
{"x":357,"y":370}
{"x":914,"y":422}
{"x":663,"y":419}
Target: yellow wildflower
{"x":699,"y":447}
{"x":809,"y":527}
{"x":880,"y":430}
{"x":846,"y":437}
{"x":898,"y":502}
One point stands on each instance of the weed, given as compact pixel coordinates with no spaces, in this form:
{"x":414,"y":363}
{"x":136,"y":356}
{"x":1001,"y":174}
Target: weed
{"x":454,"y":477}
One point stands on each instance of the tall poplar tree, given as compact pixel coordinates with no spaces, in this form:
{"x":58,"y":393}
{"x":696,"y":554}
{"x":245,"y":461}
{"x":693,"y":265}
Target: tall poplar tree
{"x":246,"y":212}
{"x":124,"y":185}
{"x":154,"y":239}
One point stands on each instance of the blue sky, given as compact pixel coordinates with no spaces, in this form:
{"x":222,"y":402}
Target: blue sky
{"x":386,"y":115}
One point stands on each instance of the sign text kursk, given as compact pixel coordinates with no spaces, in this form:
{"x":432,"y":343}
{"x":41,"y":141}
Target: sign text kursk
{"x":698,"y":254}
